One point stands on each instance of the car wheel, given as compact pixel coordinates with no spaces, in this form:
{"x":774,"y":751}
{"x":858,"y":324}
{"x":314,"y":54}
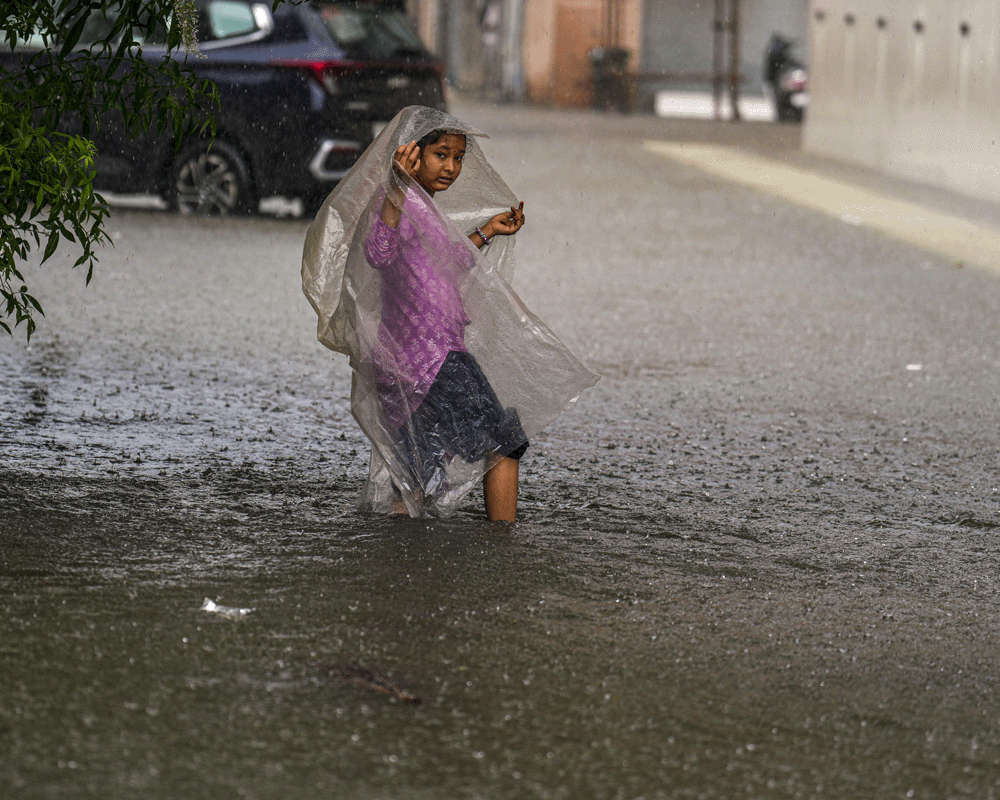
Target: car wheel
{"x":211,"y":179}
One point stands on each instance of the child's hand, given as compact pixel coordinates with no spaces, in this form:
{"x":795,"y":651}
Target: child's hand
{"x":506,"y":223}
{"x":407,"y":158}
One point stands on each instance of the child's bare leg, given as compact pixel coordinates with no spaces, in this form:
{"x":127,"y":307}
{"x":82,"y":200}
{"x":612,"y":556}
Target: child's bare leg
{"x":398,"y":507}
{"x":500,"y":488}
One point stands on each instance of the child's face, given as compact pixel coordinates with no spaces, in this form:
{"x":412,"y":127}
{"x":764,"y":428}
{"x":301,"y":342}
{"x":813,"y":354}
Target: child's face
{"x":441,"y":163}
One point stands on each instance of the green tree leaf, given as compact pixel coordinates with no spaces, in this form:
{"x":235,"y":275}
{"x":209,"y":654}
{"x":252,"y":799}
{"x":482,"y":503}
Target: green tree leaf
{"x":51,"y":111}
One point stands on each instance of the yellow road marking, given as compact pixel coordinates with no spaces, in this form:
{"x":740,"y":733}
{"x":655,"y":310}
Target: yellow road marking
{"x":952,"y":237}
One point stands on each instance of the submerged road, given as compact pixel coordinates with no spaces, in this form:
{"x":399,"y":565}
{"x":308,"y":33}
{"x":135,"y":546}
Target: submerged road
{"x":757,"y":560}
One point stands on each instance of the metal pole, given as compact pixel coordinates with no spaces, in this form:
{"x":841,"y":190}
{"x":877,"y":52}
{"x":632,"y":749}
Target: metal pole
{"x":513,"y":76}
{"x":717,"y":27}
{"x":734,"y":59}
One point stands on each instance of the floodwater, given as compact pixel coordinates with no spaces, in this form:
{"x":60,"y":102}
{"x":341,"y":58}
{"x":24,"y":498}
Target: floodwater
{"x":757,"y":560}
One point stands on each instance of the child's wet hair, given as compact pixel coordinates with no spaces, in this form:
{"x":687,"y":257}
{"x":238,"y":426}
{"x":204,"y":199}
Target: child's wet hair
{"x":433,"y":138}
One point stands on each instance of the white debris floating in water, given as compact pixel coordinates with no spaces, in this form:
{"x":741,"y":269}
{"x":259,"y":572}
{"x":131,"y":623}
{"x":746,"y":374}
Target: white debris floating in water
{"x":915,"y":367}
{"x":229,"y":612}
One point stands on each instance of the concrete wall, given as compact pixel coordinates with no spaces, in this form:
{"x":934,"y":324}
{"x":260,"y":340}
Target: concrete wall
{"x":452,"y":30}
{"x":911,"y":87}
{"x":677,"y":37}
{"x":463,"y":43}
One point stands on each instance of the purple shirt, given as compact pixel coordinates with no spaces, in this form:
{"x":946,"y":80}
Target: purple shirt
{"x":423,"y":318}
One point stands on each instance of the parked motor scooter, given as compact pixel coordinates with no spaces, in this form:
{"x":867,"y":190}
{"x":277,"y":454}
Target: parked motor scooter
{"x":785,"y":79}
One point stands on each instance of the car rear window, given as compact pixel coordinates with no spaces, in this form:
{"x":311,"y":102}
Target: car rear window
{"x":371,"y":31}
{"x":217,"y":20}
{"x":228,"y":18}
{"x":34,"y":42}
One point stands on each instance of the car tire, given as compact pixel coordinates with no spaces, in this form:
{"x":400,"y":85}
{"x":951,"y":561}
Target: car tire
{"x":211,"y":179}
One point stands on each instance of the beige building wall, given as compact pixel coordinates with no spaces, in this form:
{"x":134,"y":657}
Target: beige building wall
{"x":558,"y":37}
{"x":911,"y":87}
{"x":536,"y":49}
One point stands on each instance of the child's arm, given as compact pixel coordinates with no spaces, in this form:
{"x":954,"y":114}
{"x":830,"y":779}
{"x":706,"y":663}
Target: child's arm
{"x":382,"y":239}
{"x":406,"y":159}
{"x":381,"y":244}
{"x":506,"y":223}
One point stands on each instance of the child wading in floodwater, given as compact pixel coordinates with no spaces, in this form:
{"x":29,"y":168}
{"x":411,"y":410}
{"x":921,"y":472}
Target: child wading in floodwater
{"x":407,"y":268}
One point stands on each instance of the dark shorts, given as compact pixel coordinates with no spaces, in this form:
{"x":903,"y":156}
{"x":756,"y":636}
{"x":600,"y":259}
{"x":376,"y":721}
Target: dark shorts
{"x":460,"y":416}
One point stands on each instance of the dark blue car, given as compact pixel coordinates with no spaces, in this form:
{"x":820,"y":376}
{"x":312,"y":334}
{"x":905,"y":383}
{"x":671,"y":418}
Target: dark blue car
{"x":303,"y":90}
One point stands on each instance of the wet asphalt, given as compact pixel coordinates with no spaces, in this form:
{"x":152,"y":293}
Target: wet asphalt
{"x":757,"y":560}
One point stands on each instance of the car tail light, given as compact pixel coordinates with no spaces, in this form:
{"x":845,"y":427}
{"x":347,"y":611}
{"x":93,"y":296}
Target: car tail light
{"x":328,"y":74}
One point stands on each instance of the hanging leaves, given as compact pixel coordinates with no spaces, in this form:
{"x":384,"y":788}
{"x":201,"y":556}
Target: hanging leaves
{"x":74,"y":61}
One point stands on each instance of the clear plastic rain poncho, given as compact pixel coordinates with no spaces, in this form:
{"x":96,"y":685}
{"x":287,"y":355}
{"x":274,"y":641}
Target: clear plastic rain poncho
{"x":354,"y":271}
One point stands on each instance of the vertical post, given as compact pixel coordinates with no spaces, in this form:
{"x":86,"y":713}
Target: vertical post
{"x":726,"y":71}
{"x":441,"y":30}
{"x":718,"y":25}
{"x":513,"y":73}
{"x":452,"y":37}
{"x":734,"y":59}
